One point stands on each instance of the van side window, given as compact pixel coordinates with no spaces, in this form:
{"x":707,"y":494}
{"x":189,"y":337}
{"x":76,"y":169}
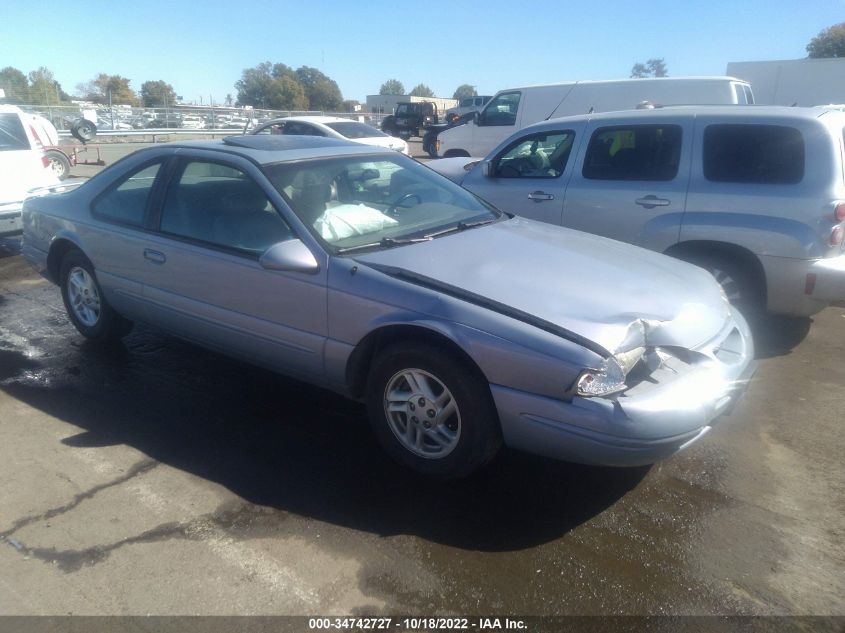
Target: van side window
{"x":760,"y":154}
{"x":127,"y":203}
{"x":12,"y":135}
{"x":501,"y":110}
{"x":541,"y":155}
{"x":634,"y":152}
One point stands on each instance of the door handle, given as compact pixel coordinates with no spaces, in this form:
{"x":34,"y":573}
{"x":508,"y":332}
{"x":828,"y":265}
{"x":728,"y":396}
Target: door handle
{"x":154,"y":256}
{"x":539,"y":196}
{"x":650,"y":201}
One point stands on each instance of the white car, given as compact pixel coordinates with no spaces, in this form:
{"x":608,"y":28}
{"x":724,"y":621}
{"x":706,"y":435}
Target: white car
{"x":333,"y":127}
{"x":193,"y":123}
{"x":24,"y":166}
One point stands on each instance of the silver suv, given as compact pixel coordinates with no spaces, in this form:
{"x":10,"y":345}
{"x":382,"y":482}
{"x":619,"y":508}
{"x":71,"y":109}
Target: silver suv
{"x":754,"y":194}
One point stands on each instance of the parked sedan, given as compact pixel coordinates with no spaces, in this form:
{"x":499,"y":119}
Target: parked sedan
{"x":362,"y":271}
{"x":333,"y":127}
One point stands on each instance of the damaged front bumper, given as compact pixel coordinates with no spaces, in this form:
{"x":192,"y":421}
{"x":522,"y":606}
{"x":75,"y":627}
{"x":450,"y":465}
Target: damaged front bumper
{"x":666,"y":411}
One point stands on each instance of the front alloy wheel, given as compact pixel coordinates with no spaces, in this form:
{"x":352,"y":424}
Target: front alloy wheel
{"x":422,"y":413}
{"x":431,"y":410}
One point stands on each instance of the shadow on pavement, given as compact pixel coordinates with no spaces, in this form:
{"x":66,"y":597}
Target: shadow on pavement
{"x":10,"y":246}
{"x":778,"y":335}
{"x":280,"y":443}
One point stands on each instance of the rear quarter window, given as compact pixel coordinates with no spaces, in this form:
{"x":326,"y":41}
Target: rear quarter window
{"x":757,"y":154}
{"x":12,"y":134}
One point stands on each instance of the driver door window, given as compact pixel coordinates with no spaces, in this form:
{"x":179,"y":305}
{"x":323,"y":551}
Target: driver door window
{"x":501,"y":110}
{"x":221,"y":206}
{"x":537,"y":156}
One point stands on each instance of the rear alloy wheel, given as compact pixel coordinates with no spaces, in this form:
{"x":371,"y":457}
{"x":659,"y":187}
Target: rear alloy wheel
{"x":86,"y":306}
{"x":59,"y":163}
{"x":740,"y":285}
{"x":430,"y":411}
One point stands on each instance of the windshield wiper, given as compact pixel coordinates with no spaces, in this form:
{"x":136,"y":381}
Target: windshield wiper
{"x":461,"y":226}
{"x":385,"y":242}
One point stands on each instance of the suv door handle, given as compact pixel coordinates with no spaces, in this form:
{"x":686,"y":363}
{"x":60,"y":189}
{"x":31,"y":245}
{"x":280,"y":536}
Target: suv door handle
{"x":539,"y":196}
{"x":650,"y":201}
{"x":154,"y":256}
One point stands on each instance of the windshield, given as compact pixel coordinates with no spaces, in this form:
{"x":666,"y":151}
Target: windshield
{"x":404,"y":108}
{"x":353,"y":201}
{"x":353,"y":129}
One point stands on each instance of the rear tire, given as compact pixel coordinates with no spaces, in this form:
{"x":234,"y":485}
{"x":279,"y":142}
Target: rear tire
{"x":742,"y":286}
{"x":59,"y":163}
{"x":430,"y":411}
{"x":85,"y":303}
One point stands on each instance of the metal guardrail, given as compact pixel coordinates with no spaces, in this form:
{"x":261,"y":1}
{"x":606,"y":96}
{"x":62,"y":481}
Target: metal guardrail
{"x":160,"y":132}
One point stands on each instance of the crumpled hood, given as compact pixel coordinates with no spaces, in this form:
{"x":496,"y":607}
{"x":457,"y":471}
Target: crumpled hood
{"x":597,"y":288}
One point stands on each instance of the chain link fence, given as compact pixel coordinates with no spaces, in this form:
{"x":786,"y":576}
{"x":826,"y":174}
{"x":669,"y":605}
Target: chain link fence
{"x":183,"y":117}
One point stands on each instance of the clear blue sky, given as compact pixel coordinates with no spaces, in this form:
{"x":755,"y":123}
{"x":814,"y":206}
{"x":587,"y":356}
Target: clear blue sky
{"x":201,"y":48}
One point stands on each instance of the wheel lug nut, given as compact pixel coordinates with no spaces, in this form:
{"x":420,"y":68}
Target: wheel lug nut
{"x":431,"y":413}
{"x":414,"y":419}
{"x":421,"y":402}
{"x":412,"y":407}
{"x":427,"y":424}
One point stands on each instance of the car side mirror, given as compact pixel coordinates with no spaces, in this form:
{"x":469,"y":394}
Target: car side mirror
{"x":290,"y":256}
{"x":487,"y":168}
{"x":476,"y":117}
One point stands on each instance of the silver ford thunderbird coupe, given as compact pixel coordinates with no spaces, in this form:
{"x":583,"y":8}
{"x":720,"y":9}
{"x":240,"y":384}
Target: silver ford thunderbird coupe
{"x":361,"y":270}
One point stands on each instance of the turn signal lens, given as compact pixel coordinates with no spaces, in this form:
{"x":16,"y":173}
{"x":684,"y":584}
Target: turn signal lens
{"x":836,"y":235}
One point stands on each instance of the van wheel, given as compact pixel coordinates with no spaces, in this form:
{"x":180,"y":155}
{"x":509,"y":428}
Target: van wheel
{"x":431,"y":412}
{"x":86,"y":306}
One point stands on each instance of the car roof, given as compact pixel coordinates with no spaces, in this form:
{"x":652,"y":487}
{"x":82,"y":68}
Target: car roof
{"x":281,"y":148}
{"x":313,"y":119}
{"x":728,"y":111}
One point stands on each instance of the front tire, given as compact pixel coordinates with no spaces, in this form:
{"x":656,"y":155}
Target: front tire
{"x":86,"y":306}
{"x":431,"y":412}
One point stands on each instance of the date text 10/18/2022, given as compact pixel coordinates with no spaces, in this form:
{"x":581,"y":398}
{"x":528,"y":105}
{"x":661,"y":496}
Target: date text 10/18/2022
{"x":416,"y":624}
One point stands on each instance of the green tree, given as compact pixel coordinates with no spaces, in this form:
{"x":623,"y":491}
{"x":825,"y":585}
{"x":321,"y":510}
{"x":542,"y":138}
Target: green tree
{"x":421,"y":90}
{"x":464,"y":91}
{"x":828,"y":43}
{"x":44,"y":89}
{"x":271,"y":86}
{"x":392,"y":87}
{"x":103,"y":85}
{"x":323,"y":93}
{"x":156,"y":94}
{"x":652,"y":68}
{"x":15,"y":85}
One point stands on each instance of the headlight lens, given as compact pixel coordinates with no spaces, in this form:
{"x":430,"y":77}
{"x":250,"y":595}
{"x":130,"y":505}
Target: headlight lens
{"x":611,"y":378}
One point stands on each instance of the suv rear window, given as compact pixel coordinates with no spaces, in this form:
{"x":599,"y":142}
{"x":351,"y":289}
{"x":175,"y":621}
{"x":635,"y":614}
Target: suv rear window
{"x":634,"y":152}
{"x":759,"y":154}
{"x":12,"y":134}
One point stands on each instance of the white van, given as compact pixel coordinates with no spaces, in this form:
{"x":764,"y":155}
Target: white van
{"x":512,"y":109}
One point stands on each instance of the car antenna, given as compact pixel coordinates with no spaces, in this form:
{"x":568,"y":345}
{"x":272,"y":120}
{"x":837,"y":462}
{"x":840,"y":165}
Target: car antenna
{"x":561,"y":101}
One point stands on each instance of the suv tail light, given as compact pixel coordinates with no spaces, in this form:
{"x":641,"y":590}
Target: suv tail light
{"x":36,"y":137}
{"x":839,"y":212}
{"x":45,"y":161}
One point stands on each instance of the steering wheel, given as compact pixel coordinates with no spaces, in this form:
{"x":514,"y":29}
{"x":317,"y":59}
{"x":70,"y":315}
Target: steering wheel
{"x":393,"y":209}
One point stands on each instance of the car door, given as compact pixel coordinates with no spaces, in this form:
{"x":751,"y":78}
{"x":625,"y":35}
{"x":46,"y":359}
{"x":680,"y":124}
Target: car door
{"x":203,"y":279}
{"x":630,"y":180}
{"x":529,"y":175}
